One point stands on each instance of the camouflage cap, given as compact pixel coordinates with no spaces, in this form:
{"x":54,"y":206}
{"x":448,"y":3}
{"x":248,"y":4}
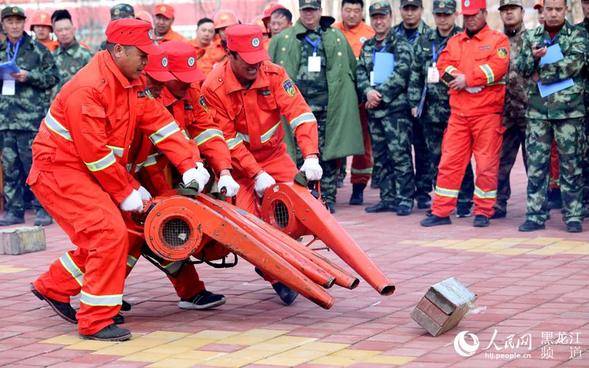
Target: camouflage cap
{"x":503,"y":3}
{"x":121,"y":11}
{"x":380,"y":8}
{"x":309,"y":4}
{"x":416,"y":3}
{"x":11,"y":11}
{"x":444,"y":7}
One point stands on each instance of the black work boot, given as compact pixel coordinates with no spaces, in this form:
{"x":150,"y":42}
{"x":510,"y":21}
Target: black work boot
{"x":499,"y":213}
{"x":434,"y":220}
{"x":203,"y":300}
{"x":125,"y":306}
{"x":530,"y":226}
{"x":481,"y":221}
{"x":424,"y":202}
{"x":357,"y":197}
{"x":43,"y":218}
{"x":574,"y":227}
{"x":10,"y":218}
{"x":109,"y":333}
{"x":381,"y":207}
{"x":286,"y":294}
{"x":64,"y":310}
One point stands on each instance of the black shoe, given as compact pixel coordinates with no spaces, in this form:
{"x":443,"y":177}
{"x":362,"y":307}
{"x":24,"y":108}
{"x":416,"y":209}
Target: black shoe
{"x":574,"y":227}
{"x":43,"y":218}
{"x":11,"y":219}
{"x":357,"y":197}
{"x":125,"y":307}
{"x":381,"y":207}
{"x":530,"y":226}
{"x":481,"y":221}
{"x":110,"y":333}
{"x":330,"y":207}
{"x":434,"y":220}
{"x":64,"y":310}
{"x":424,"y":203}
{"x":203,"y":300}
{"x":340,"y":182}
{"x":404,"y":210}
{"x":463,"y":210}
{"x":286,"y":294}
{"x":119,"y":319}
{"x":499,"y":213}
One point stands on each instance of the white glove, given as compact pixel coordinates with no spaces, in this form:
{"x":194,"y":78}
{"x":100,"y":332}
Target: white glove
{"x":263,"y":182}
{"x":145,"y":195}
{"x":200,"y":175}
{"x":133,"y":202}
{"x":474,"y":89}
{"x":312,"y":169}
{"x":230,"y":185}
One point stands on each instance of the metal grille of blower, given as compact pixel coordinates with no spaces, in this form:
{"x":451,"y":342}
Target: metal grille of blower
{"x":176,"y":232}
{"x":281,"y":214}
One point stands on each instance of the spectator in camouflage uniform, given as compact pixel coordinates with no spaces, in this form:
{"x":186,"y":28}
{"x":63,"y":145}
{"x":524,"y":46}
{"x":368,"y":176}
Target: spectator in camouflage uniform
{"x":516,"y":101}
{"x":70,"y":56}
{"x":23,"y":105}
{"x":388,"y":118}
{"x":119,"y":11}
{"x":434,"y":113}
{"x":560,"y":115}
{"x":412,"y":28}
{"x":585,"y":24}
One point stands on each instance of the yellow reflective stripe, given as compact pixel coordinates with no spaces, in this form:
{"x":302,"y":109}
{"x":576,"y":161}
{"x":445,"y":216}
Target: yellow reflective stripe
{"x":70,"y":266}
{"x":234,"y":142}
{"x":164,"y":132}
{"x":131,"y":261}
{"x":150,"y":160}
{"x":449,"y":69}
{"x":307,"y":117}
{"x":101,"y":300}
{"x":244,"y":137}
{"x":485,"y":195}
{"x":488,"y":73}
{"x":119,"y":151}
{"x":172,"y":264}
{"x":444,"y":192}
{"x":266,"y":136}
{"x":361,"y":171}
{"x":56,"y":127}
{"x":103,"y":163}
{"x":208,"y":135}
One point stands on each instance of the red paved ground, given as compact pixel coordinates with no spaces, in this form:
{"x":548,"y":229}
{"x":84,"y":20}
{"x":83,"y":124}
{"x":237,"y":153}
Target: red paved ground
{"x":526,"y":284}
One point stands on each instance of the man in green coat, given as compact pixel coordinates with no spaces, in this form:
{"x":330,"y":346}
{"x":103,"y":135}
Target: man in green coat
{"x":322,"y":64}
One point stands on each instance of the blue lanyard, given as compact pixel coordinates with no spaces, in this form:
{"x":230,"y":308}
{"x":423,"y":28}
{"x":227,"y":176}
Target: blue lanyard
{"x":384,"y":46}
{"x":10,"y":49}
{"x":551,"y":41}
{"x":435,"y":54}
{"x":314,"y":44}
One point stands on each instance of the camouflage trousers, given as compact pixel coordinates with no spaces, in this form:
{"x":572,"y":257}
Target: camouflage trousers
{"x":433,"y":134}
{"x":513,"y":138}
{"x":391,"y":148}
{"x":330,"y":167}
{"x":586,"y":169}
{"x":424,"y":177}
{"x":16,"y":164}
{"x":570,"y":141}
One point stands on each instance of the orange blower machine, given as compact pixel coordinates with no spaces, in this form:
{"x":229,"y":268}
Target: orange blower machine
{"x":177,"y":227}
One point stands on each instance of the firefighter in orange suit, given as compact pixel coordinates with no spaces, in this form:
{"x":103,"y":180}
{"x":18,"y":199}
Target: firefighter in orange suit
{"x":474,"y":64}
{"x":42,"y":27}
{"x":178,"y":71}
{"x":247,"y":95}
{"x":164,"y":18}
{"x":79,"y":174}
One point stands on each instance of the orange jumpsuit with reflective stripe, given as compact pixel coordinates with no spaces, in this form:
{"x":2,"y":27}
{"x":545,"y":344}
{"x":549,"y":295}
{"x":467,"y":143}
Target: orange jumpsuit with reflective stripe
{"x":79,"y":175}
{"x":172,"y":36}
{"x":474,"y":126}
{"x":251,"y":122}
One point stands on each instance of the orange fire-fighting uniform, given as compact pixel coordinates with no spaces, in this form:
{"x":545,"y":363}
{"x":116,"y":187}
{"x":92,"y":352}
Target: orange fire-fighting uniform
{"x":361,"y":164}
{"x":172,"y":35}
{"x":79,"y":175}
{"x":250,"y":120}
{"x":50,"y":44}
{"x":474,"y":126}
{"x":214,"y":54}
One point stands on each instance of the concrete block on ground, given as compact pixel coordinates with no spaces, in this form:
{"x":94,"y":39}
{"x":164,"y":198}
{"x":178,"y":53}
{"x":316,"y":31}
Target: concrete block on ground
{"x":22,"y":240}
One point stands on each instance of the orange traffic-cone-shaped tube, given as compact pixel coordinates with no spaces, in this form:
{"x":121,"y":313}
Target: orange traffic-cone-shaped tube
{"x":310,"y":213}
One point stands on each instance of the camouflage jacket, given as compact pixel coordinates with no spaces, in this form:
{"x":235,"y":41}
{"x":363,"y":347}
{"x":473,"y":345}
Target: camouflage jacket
{"x":437,"y":106}
{"x":394,"y":89}
{"x":585,"y":24}
{"x":28,"y":106}
{"x":516,"y":97}
{"x":567,"y":103}
{"x":422,"y":29}
{"x":69,"y":60}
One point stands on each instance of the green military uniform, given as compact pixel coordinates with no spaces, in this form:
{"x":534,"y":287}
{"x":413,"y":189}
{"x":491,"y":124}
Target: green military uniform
{"x":330,"y":92}
{"x":434,"y":110}
{"x":389,"y":124}
{"x":21,"y":114}
{"x":424,"y":177}
{"x":559,"y":116}
{"x":585,"y":24}
{"x":69,"y":60}
{"x":514,"y":115}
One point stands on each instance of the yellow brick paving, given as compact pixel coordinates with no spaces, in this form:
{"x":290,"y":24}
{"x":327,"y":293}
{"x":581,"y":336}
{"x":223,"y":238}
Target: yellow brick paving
{"x":540,"y":246}
{"x":11,"y":269}
{"x":259,"y":346}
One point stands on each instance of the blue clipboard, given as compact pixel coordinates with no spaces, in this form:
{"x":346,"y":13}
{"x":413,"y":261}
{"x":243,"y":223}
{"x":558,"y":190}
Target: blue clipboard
{"x":8,"y":68}
{"x":549,"y":89}
{"x":384,"y":65}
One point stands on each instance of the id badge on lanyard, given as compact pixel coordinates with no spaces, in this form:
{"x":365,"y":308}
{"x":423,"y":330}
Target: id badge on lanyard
{"x":9,"y":85}
{"x":314,"y":62}
{"x":433,"y":75}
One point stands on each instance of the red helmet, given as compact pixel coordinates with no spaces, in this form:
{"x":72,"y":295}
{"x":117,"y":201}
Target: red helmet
{"x":41,"y":18}
{"x":225,"y":18}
